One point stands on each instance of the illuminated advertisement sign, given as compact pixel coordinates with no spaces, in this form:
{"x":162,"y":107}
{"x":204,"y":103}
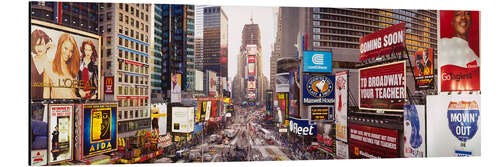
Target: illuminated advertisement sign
{"x":99,"y":128}
{"x":283,"y":104}
{"x":317,"y":61}
{"x":302,"y":127}
{"x":109,"y":85}
{"x":424,"y":69}
{"x":321,"y":113}
{"x":159,"y":117}
{"x":341,"y":86}
{"x":383,"y":87}
{"x":282,"y":82}
{"x":60,"y":133}
{"x":372,"y":142}
{"x":65,"y":62}
{"x":382,"y":42}
{"x":183,"y":119}
{"x":212,"y":83}
{"x":175,"y":88}
{"x":198,"y":80}
{"x":319,"y":89}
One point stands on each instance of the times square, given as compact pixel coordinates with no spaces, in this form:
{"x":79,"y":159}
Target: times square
{"x":118,"y":83}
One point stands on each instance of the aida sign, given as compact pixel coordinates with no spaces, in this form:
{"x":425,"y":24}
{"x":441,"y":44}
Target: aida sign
{"x":382,"y":42}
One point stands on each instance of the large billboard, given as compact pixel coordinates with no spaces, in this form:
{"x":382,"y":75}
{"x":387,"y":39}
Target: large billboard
{"x":372,"y":142}
{"x":64,"y":62}
{"x":341,"y":86}
{"x":319,"y":89}
{"x":294,"y":105}
{"x":459,"y":60}
{"x":99,"y":129}
{"x":252,"y":85}
{"x":414,"y":131}
{"x":183,"y":119}
{"x":317,"y":61}
{"x":212,"y":84}
{"x":456,"y":125}
{"x":251,"y":49}
{"x":383,"y":87}
{"x":424,"y":69}
{"x":175,"y":88}
{"x":252,"y":69}
{"x":283,"y":104}
{"x":382,"y":42}
{"x":198,"y":80}
{"x":159,"y":117}
{"x":60,"y":133}
{"x":282,"y":82}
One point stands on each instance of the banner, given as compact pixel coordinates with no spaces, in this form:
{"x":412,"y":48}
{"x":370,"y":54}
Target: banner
{"x":317,"y":61}
{"x":424,"y":69}
{"x":294,"y":99}
{"x":302,"y":127}
{"x":183,"y":119}
{"x":459,"y":60}
{"x":456,"y":125}
{"x":159,"y":117}
{"x":372,"y":142}
{"x":198,"y":80}
{"x":208,"y":109}
{"x":342,"y":149}
{"x":382,"y":42}
{"x":341,"y":86}
{"x":109,"y":85}
{"x":99,"y":128}
{"x":64,"y":62}
{"x":199,"y":111}
{"x":60,"y":133}
{"x":283,"y":104}
{"x":318,"y":89}
{"x":321,"y":113}
{"x":414,"y":131}
{"x":175,"y":87}
{"x":212,"y":84}
{"x":282,"y":82}
{"x":383,"y":87}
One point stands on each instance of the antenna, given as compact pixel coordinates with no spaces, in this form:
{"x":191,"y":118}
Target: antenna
{"x":251,"y":16}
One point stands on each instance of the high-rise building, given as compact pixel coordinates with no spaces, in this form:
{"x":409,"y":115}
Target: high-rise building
{"x":156,"y":73}
{"x":81,"y":16}
{"x":126,"y":56}
{"x":215,"y":40}
{"x":198,"y":53}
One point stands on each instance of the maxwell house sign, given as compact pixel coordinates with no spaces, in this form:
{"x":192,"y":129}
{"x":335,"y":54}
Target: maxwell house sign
{"x":462,"y":119}
{"x":319,"y":89}
{"x":99,"y":128}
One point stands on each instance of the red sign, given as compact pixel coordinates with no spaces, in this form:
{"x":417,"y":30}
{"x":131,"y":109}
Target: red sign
{"x":372,"y":142}
{"x":382,"y":42}
{"x":424,"y":69}
{"x":251,"y":59}
{"x":383,"y":87}
{"x":134,"y":63}
{"x":458,"y":58}
{"x":109,"y":85}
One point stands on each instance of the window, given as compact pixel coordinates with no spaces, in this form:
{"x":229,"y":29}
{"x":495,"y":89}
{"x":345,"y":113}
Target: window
{"x":126,"y":7}
{"x":132,"y":10}
{"x":120,"y":90}
{"x":316,"y":37}
{"x":108,"y":40}
{"x":108,"y":16}
{"x":120,"y":77}
{"x":132,"y":33}
{"x":136,"y":113}
{"x":132,"y":22}
{"x":142,"y":15}
{"x":108,"y":27}
{"x":147,"y":18}
{"x":121,"y":17}
{"x":121,"y":6}
{"x":316,"y":30}
{"x":120,"y":29}
{"x":126,"y":19}
{"x":147,"y":30}
{"x":120,"y":65}
{"x":126,"y":112}
{"x":108,"y":52}
{"x":136,"y":24}
{"x":108,"y":65}
{"x":137,"y":13}
{"x":119,"y":112}
{"x":315,"y":44}
{"x":316,"y":23}
{"x":315,"y":16}
{"x":120,"y":43}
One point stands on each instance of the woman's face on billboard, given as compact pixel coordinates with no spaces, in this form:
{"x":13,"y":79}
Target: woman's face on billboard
{"x":87,"y":50}
{"x":40,"y":47}
{"x":67,"y":50}
{"x":461,"y":21}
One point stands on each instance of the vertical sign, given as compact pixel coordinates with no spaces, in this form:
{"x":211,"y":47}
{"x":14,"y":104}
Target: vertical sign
{"x":175,"y":88}
{"x":424,"y":69}
{"x":108,"y":85}
{"x":414,"y":131}
{"x":99,"y":130}
{"x":60,"y":133}
{"x":341,"y":86}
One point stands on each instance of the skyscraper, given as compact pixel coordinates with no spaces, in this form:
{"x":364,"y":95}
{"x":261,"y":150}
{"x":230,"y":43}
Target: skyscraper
{"x":156,"y":91}
{"x":215,"y":40}
{"x":81,"y":16}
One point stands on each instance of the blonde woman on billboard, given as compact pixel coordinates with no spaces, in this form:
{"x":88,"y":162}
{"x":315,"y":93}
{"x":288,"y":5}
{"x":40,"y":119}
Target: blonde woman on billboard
{"x":64,"y":71}
{"x":40,"y":44}
{"x":88,"y":71}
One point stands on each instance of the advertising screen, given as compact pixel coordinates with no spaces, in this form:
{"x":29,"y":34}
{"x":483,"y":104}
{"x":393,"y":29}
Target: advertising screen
{"x":159,"y":117}
{"x":198,"y":80}
{"x":456,"y":125}
{"x":372,"y":142}
{"x":459,"y":60}
{"x":282,"y":82}
{"x":182,"y":119}
{"x":382,"y":42}
{"x":60,"y":133}
{"x":317,"y":61}
{"x":175,"y":87}
{"x":424,"y":69}
{"x":321,"y":113}
{"x":251,"y":69}
{"x":109,"y":85}
{"x":319,"y":89}
{"x":383,"y":87}
{"x":341,"y":86}
{"x":294,"y":99}
{"x":283,"y":104}
{"x":212,"y":83}
{"x":99,"y":128}
{"x":251,"y":49}
{"x":414,"y":131}
{"x":64,"y":62}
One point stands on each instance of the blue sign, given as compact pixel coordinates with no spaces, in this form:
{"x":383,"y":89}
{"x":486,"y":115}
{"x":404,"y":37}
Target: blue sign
{"x":302,"y":127}
{"x":462,"y":121}
{"x":319,"y":89}
{"x":411,"y":115}
{"x":99,"y":128}
{"x":317,"y":61}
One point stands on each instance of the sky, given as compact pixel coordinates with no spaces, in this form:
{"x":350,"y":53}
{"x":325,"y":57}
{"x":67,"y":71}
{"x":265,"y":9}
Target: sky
{"x":237,"y":18}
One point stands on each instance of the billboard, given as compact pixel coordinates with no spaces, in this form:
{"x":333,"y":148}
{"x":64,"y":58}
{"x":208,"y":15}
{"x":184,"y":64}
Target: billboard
{"x":321,"y":113}
{"x":302,"y":127}
{"x":252,"y":85}
{"x":319,"y":89}
{"x":159,"y":117}
{"x":456,"y":125}
{"x":60,"y":133}
{"x":459,"y":60}
{"x":372,"y":142}
{"x":294,"y":105}
{"x":212,"y":83}
{"x":183,"y":119}
{"x":283,"y":103}
{"x":382,"y":42}
{"x":64,"y":62}
{"x":175,"y":87}
{"x":424,"y":69}
{"x":251,"y":69}
{"x":341,"y":86}
{"x":109,"y":85}
{"x":198,"y":76}
{"x":251,"y":49}
{"x":208,"y":109}
{"x":282,"y":82}
{"x":99,"y":129}
{"x":198,"y":110}
{"x":317,"y":61}
{"x":383,"y":87}
{"x":414,"y":131}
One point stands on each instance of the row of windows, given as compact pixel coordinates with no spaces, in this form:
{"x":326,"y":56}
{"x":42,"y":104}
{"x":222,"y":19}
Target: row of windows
{"x":127,"y":126}
{"x":136,"y":23}
{"x":125,"y":78}
{"x":132,"y":56}
{"x":143,"y":6}
{"x":138,"y":46}
{"x":128,"y":90}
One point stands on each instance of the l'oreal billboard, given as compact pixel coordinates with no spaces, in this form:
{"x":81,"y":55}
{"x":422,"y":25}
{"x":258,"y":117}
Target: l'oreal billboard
{"x":99,"y":129}
{"x":317,"y":61}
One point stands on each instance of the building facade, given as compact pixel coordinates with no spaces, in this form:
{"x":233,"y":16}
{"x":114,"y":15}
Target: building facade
{"x":81,"y":16}
{"x":156,"y":72}
{"x":215,"y":40}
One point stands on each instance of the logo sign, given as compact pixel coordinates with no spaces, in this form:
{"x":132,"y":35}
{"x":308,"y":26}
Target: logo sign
{"x":99,"y":128}
{"x":414,"y":131}
{"x":60,"y":133}
{"x":38,"y":157}
{"x":320,"y":113}
{"x":302,"y":127}
{"x":319,"y":89}
{"x":424,"y":69}
{"x":383,"y":87}
{"x":341,"y":86}
{"x":109,"y":85}
{"x":382,"y":42}
{"x":317,"y":61}
{"x":462,"y":119}
{"x":372,"y":142}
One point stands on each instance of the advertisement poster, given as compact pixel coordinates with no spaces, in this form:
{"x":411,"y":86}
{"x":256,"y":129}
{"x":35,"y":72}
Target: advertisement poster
{"x":414,"y":131}
{"x":294,"y":105}
{"x":208,"y":109}
{"x":341,"y":86}
{"x":199,"y":111}
{"x":302,"y":127}
{"x":283,"y":104}
{"x":38,"y":157}
{"x":456,"y":125}
{"x":371,"y":142}
{"x":252,"y":85}
{"x":212,"y":84}
{"x":424,"y":69}
{"x":321,"y":113}
{"x":319,"y":89}
{"x":342,"y":150}
{"x":383,"y":87}
{"x":99,"y":128}
{"x":458,"y":59}
{"x":60,"y":133}
{"x":175,"y":87}
{"x":282,"y":82}
{"x":182,"y":119}
{"x":382,"y":42}
{"x":317,"y":61}
{"x":198,"y":75}
{"x":64,"y":62}
{"x":159,"y":117}
{"x":109,"y":85}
